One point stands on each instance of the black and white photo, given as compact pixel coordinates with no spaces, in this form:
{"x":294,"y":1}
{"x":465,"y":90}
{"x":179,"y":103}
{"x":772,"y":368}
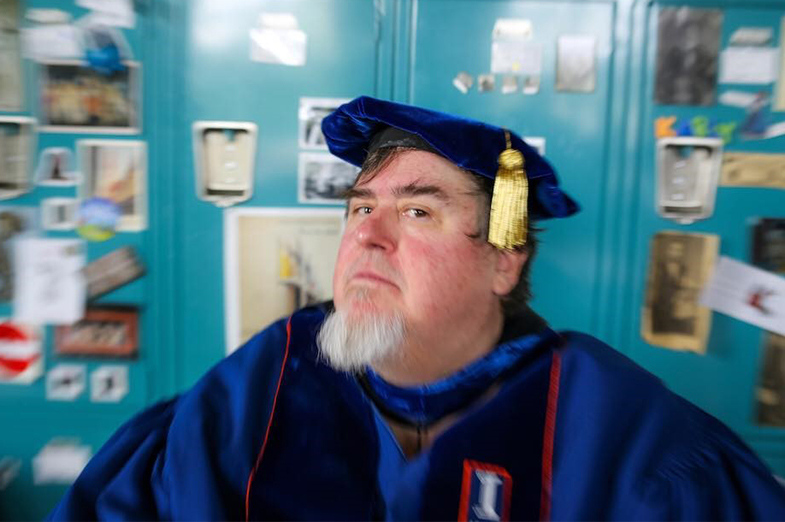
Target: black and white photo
{"x":323,"y":178}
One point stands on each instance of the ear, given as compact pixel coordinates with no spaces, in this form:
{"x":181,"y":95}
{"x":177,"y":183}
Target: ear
{"x":509,"y":264}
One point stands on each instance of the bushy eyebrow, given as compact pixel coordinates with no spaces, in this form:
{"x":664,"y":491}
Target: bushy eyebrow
{"x":412,"y":189}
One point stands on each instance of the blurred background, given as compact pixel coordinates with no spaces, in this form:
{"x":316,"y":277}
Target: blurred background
{"x":166,"y":191}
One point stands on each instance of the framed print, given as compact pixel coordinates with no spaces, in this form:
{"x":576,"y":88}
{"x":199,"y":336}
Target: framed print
{"x":59,"y":213}
{"x":771,"y":382}
{"x":679,"y":266}
{"x":312,"y":112}
{"x":116,"y":170}
{"x":104,"y":331}
{"x":113,"y":270}
{"x":576,"y":69}
{"x":688,"y":46}
{"x":11,"y":97}
{"x":323,"y":178}
{"x":276,"y":261}
{"x":768,"y":244}
{"x":17,"y":142}
{"x":75,"y":98}
{"x":56,"y":168}
{"x":15,"y":223}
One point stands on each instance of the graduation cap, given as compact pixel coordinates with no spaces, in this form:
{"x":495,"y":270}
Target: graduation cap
{"x":525,"y":184}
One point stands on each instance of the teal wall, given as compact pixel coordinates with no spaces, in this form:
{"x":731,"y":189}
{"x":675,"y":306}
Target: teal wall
{"x":589,"y":274}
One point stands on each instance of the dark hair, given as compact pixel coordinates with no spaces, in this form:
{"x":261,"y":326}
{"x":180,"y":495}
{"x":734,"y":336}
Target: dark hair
{"x":517,"y":300}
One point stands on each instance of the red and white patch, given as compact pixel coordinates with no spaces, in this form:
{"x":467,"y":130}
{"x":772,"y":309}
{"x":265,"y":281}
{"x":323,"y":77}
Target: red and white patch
{"x":21,"y":358}
{"x":485,"y":493}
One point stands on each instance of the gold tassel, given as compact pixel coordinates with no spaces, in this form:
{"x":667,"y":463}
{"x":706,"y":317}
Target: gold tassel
{"x":509,"y":219}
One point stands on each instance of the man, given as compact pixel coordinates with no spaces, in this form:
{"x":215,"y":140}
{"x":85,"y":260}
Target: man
{"x":430,"y":390}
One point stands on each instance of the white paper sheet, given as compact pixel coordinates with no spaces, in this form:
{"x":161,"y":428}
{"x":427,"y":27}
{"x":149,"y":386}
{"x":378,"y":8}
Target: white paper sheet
{"x":278,"y":39}
{"x":739,"y":99}
{"x":751,"y":36}
{"x":50,"y":285}
{"x":747,"y":293}
{"x":60,"y":463}
{"x":50,"y":42}
{"x":749,"y":65}
{"x":778,"y":129}
{"x":114,"y":13}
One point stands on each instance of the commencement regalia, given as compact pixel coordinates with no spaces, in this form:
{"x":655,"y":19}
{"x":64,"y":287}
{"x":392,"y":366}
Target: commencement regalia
{"x":574,"y":431}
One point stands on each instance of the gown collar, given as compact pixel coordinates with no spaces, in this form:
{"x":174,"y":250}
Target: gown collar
{"x":425,"y":404}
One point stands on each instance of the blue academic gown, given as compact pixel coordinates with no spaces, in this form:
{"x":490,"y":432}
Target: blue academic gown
{"x":574,"y":431}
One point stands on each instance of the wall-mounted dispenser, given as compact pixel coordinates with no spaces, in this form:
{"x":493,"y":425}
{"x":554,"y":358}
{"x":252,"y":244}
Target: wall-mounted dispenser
{"x":687,"y":173}
{"x":224,"y":154}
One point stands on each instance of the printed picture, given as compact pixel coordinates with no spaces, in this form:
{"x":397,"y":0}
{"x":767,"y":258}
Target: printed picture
{"x":59,"y":213}
{"x":10,"y":57}
{"x":576,"y":69}
{"x":15,"y":223}
{"x":679,"y":266}
{"x":771,"y":384}
{"x":277,"y":260}
{"x":747,"y":169}
{"x":104,"y":331}
{"x":323,"y":178}
{"x":312,"y":112}
{"x":16,"y":150}
{"x":113,"y":270}
{"x":55,"y":168}
{"x":688,"y":44}
{"x":117,"y":170}
{"x":768,"y":244}
{"x":76,"y":98}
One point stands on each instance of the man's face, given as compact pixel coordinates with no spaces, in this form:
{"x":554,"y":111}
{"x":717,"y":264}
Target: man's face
{"x":406,"y":249}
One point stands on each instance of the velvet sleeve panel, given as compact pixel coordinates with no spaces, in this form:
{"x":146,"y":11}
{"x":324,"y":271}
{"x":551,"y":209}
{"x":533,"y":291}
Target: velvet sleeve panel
{"x":188,"y":458}
{"x":627,"y":448}
{"x":717,"y":477}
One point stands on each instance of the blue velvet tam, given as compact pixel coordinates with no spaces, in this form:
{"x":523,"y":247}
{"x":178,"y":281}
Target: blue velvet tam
{"x":353,"y":129}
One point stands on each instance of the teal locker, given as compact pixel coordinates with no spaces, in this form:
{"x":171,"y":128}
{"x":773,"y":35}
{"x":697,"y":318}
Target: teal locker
{"x":723,"y":381}
{"x":589,"y":274}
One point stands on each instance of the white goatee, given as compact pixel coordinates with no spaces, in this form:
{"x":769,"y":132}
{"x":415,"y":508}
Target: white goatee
{"x":350,"y":344}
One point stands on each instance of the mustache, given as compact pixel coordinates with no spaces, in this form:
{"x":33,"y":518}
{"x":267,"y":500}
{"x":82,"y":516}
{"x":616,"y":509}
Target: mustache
{"x":373,"y":263}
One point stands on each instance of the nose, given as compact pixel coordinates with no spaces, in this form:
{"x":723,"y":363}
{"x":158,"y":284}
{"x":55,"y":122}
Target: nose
{"x":377,"y":230}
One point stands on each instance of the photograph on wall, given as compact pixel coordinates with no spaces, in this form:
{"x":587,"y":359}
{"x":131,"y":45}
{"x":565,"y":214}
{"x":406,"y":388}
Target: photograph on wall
{"x":109,"y":383}
{"x":21,"y":354}
{"x":113,"y":270}
{"x":768,"y":244}
{"x":59,"y":213}
{"x":771,"y":383}
{"x":679,"y":266}
{"x":312,"y":112}
{"x":116,"y":170}
{"x":779,"y":90}
{"x":17,"y":140}
{"x":688,"y":45}
{"x":323,"y":178}
{"x":747,"y":169}
{"x":11,"y":97}
{"x":576,"y":69}
{"x":103,"y":332}
{"x":76,"y":98}
{"x":65,"y":382}
{"x":56,"y":168}
{"x":15,"y":223}
{"x":277,"y":261}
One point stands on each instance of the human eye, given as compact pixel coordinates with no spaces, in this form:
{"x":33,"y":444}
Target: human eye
{"x":416,"y":213}
{"x":360,"y":209}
